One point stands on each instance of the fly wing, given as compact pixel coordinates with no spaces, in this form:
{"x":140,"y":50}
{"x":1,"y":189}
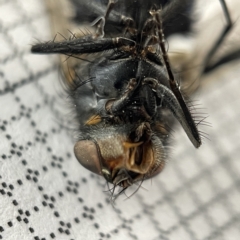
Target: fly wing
{"x":61,"y":14}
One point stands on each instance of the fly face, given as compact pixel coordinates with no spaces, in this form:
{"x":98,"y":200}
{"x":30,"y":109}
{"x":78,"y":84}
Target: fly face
{"x":126,"y":102}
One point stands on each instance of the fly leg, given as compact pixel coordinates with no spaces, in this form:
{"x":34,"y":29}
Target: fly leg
{"x":100,"y":21}
{"x":116,"y":106}
{"x":168,"y":98}
{"x":221,"y":38}
{"x":185,"y":117}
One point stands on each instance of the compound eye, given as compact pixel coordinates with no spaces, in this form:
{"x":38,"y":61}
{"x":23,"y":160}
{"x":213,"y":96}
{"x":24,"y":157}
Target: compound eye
{"x":87,"y":154}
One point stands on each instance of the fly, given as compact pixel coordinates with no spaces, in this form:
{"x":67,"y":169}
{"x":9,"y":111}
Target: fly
{"x":122,"y":85}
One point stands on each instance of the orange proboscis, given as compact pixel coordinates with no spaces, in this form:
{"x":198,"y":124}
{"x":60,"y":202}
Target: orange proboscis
{"x":129,"y":160}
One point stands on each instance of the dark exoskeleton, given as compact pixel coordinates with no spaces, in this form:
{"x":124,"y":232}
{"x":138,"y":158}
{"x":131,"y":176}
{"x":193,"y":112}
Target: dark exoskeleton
{"x":129,"y":93}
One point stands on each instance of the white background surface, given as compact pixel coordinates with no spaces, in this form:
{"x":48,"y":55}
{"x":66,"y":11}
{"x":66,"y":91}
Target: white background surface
{"x":46,"y":194}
